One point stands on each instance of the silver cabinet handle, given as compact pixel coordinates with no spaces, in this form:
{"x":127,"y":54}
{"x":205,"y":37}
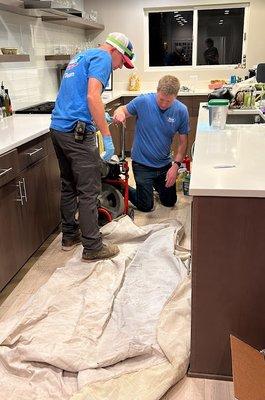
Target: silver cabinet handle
{"x":35,"y":151}
{"x":5,"y":171}
{"x":117,"y":105}
{"x":20,"y":199}
{"x":24,"y":196}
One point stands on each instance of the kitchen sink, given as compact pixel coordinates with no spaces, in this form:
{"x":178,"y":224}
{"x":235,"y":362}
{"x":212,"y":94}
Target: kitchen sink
{"x":245,"y":117}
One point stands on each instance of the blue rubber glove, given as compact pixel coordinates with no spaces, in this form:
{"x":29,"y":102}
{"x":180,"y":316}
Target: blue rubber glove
{"x":109,"y":119}
{"x":108,"y":148}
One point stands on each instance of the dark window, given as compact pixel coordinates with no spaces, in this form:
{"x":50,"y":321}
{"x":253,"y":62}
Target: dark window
{"x":170,"y":38}
{"x":220,"y":36}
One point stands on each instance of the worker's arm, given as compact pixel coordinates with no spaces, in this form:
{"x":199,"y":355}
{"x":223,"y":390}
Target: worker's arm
{"x":173,"y":171}
{"x":96,"y":106}
{"x":97,"y":110}
{"x":121,"y":114}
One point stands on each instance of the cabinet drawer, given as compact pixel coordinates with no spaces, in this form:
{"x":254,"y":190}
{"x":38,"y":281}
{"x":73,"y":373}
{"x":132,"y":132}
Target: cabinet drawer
{"x":8,"y":166}
{"x":32,"y":151}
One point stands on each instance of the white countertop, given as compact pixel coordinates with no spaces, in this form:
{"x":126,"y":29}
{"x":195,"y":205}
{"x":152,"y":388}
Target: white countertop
{"x":240,"y":146}
{"x":21,"y":128}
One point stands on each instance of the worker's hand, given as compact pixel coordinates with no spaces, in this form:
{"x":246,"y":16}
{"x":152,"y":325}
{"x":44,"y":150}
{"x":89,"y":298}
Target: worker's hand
{"x":108,"y":147}
{"x":172,"y":174}
{"x":119,"y":117}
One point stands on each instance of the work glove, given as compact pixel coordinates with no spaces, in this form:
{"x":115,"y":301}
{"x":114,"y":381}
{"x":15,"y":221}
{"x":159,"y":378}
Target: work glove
{"x":108,"y":148}
{"x":109,"y":119}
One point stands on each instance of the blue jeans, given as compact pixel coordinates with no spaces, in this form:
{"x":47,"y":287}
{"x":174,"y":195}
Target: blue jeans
{"x":147,"y":179}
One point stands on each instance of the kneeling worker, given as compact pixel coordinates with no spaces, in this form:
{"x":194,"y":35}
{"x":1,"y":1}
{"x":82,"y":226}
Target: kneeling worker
{"x":159,"y":117}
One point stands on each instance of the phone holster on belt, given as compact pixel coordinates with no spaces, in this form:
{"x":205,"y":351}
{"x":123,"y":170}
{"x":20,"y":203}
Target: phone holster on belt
{"x":79,"y":131}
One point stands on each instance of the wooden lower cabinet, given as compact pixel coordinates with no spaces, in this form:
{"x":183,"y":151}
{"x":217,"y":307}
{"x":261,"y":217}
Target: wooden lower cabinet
{"x":29,"y":212}
{"x":10,"y":222}
{"x":193,"y":105}
{"x":34,"y":208}
{"x":228,"y":276}
{"x":116,"y":137}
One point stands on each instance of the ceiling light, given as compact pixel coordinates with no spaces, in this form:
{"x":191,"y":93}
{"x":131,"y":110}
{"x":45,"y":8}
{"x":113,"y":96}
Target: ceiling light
{"x":227,"y":11}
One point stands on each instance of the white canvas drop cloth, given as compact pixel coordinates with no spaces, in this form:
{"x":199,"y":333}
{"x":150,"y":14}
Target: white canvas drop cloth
{"x":113,"y":329}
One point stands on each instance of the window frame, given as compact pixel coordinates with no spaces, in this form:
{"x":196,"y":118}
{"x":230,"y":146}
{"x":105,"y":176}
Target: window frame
{"x":195,"y":10}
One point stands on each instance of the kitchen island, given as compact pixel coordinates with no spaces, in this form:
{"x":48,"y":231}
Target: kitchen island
{"x":228,"y":230}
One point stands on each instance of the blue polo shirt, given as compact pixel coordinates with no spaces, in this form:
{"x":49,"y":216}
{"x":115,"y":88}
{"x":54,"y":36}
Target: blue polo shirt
{"x":155,"y":129}
{"x":71,"y":103}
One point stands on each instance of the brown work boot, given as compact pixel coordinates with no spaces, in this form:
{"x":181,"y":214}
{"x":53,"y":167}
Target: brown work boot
{"x":69,"y":244}
{"x":107,"y":251}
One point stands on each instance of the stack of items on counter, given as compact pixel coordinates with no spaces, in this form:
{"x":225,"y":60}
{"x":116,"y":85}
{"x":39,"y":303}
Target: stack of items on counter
{"x":5,"y":103}
{"x":249,"y":95}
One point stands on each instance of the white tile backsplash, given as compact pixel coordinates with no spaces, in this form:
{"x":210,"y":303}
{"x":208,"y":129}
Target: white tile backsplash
{"x":34,"y":81}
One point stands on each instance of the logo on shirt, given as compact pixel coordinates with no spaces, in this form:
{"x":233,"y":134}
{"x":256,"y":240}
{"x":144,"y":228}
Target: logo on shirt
{"x":74,"y":62}
{"x":171,"y":120}
{"x":68,"y":74}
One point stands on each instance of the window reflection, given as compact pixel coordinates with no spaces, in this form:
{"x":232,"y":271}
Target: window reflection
{"x":220,"y":36}
{"x":170,"y":38}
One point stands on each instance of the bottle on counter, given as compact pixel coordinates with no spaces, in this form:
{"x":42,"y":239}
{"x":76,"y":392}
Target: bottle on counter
{"x":1,"y":108}
{"x":7,"y":104}
{"x":5,"y":100}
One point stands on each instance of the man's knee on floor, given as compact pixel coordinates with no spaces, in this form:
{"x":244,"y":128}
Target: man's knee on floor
{"x":145,"y":209}
{"x":168,"y":203}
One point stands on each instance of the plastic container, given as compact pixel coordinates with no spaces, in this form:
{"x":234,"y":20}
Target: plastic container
{"x":218,"y":109}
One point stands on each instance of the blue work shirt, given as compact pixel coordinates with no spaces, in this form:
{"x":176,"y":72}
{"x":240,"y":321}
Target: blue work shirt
{"x":155,"y":129}
{"x":71,"y":104}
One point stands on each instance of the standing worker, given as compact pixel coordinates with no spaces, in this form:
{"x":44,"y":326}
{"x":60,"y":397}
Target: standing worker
{"x":159,"y":117}
{"x":78,"y":113}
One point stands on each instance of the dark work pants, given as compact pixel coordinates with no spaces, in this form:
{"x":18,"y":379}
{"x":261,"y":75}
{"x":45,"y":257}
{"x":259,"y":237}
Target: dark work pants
{"x":147,"y":179}
{"x":80,"y":177}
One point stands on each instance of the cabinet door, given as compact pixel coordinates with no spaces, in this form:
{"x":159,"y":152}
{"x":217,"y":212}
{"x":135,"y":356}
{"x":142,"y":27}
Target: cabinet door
{"x":130,"y":127}
{"x":10,"y":237}
{"x":114,"y":129}
{"x":188,"y":101}
{"x":116,"y":137}
{"x":35,"y":207}
{"x":228,"y":278}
